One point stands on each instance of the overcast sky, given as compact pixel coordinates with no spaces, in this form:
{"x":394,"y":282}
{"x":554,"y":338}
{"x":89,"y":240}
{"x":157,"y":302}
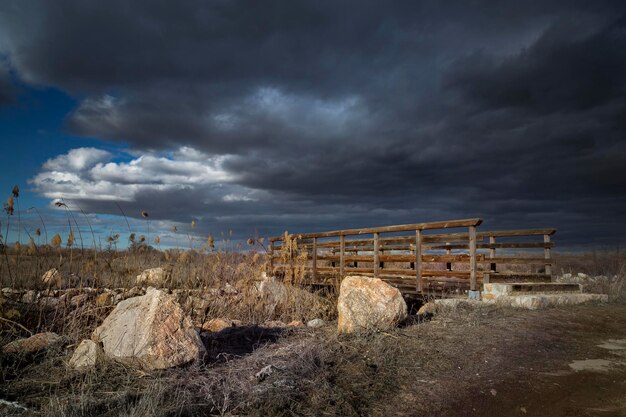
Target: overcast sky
{"x":307,"y":116}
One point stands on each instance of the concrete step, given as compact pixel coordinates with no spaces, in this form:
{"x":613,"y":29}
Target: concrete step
{"x":492,"y":291}
{"x":536,"y":301}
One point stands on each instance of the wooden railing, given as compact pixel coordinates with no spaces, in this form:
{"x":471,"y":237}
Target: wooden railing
{"x":428,"y":260}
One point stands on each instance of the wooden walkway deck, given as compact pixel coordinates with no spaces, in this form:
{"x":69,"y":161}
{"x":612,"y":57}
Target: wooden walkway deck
{"x":427,"y":259}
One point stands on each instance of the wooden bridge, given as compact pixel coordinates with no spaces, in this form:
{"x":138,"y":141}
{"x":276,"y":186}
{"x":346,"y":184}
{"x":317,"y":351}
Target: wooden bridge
{"x":427,"y":259}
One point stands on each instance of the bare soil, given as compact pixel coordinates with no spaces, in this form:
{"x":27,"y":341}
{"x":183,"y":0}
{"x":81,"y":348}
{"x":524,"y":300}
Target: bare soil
{"x":517,"y":363}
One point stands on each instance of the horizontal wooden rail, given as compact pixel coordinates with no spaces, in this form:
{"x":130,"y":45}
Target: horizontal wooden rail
{"x":389,"y":229}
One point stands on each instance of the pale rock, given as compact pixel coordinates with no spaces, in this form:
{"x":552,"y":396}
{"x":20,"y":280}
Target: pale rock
{"x":79,"y":300}
{"x":315,"y":323}
{"x":273,"y":291}
{"x":53,"y":278}
{"x":86,"y":355}
{"x":229,"y":289}
{"x":151,"y":330}
{"x":29,"y":297}
{"x":367,"y":304}
{"x":153,"y":277}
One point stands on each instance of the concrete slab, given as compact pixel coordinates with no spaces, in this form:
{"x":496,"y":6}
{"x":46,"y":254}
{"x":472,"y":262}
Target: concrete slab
{"x":537,"y":301}
{"x":493,"y":291}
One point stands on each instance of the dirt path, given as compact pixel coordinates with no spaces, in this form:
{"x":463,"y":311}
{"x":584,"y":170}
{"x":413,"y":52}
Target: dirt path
{"x":582,"y":373}
{"x":555,"y":362}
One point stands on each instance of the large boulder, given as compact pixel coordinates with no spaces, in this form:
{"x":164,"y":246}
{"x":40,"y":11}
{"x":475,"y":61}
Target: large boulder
{"x":86,"y":355}
{"x":367,"y":304}
{"x":151,"y":330}
{"x":36,"y":343}
{"x":153,"y":277}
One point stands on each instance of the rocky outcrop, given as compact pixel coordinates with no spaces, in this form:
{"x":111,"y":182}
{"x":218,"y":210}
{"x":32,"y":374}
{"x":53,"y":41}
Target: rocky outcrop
{"x":367,"y":304}
{"x":151,"y":330}
{"x":86,"y":356}
{"x":35,"y":343}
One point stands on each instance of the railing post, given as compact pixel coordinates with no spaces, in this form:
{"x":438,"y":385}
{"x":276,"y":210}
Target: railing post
{"x":342,"y":256}
{"x":293,"y":240}
{"x":472,"y":250}
{"x":492,"y":252}
{"x":418,"y":260}
{"x":314,"y":260}
{"x":546,"y":254}
{"x":376,"y":248}
{"x":448,"y":252}
{"x":271,"y":257}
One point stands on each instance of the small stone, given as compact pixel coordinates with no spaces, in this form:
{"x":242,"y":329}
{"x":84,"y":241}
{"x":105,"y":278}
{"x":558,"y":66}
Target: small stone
{"x":523,"y":409}
{"x":86,"y":355}
{"x":33,"y":344}
{"x":53,"y":278}
{"x":229,"y":289}
{"x":29,"y":297}
{"x":153,"y":277}
{"x":265,"y":372}
{"x":315,"y":323}
{"x":493,"y":392}
{"x":104,"y":299}
{"x":217,"y":325}
{"x":79,"y":300}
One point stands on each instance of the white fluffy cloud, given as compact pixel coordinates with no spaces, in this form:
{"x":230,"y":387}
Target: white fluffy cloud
{"x":94,"y":174}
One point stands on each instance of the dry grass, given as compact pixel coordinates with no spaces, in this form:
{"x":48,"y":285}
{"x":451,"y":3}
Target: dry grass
{"x":600,"y":272}
{"x":315,"y":372}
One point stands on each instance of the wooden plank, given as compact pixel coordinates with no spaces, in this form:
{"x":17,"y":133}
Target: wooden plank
{"x":342,"y":255}
{"x":376,"y":249}
{"x":387,"y":229}
{"x":401,"y":272}
{"x":516,"y":260}
{"x":472,"y":250}
{"x":546,"y":254}
{"x":401,"y":246}
{"x":461,"y":258}
{"x":495,"y":278}
{"x":433,"y":238}
{"x":314,"y":258}
{"x":511,"y":245}
{"x":519,"y":232}
{"x":492,"y":253}
{"x":418,"y":260}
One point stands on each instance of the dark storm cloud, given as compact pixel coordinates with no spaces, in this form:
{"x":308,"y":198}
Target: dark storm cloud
{"x":7,"y":92}
{"x":356,"y":112}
